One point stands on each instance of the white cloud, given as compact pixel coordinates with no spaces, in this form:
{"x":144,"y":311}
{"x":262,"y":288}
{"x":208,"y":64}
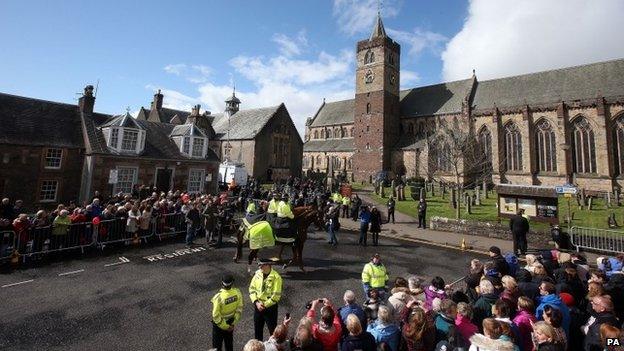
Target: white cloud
{"x":193,"y":73}
{"x":291,"y":46}
{"x":419,"y":40}
{"x":299,"y":83}
{"x":408,"y":78}
{"x":502,"y":38}
{"x":176,"y":68}
{"x":357,"y":16}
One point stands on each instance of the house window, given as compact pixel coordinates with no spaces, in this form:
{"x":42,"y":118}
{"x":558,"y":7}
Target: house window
{"x":114,"y":138}
{"x":584,"y":147}
{"x":129,"y":141}
{"x":316,"y":134}
{"x":196,"y":180}
{"x":513,"y":147}
{"x":53,"y":158}
{"x":368,"y":108}
{"x":48,"y":191}
{"x":186,"y":147}
{"x":198,"y":147}
{"x":126,"y":178}
{"x":546,"y":147}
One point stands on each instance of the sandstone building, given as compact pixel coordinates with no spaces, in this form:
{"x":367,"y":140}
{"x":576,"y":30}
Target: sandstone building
{"x":545,"y":128}
{"x":55,"y":153}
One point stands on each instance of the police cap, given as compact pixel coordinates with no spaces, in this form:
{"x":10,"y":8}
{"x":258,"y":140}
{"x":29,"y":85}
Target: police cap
{"x":227,"y":280}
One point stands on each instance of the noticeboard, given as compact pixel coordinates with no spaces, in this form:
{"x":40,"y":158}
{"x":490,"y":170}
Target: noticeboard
{"x":538,"y":202}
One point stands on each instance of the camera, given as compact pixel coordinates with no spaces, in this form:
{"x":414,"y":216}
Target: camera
{"x":309,"y":304}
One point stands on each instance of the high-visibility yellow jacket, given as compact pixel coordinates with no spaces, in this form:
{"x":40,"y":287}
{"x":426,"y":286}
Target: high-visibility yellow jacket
{"x":337,"y":197}
{"x":227,"y":305}
{"x":374,"y":275}
{"x":251,"y":208}
{"x":272,"y":206}
{"x":346,"y":201}
{"x":283,"y":210}
{"x":266,"y":290}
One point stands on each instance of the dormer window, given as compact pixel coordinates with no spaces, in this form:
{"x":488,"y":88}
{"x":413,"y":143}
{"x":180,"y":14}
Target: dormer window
{"x":191,"y":140}
{"x":124,"y":134}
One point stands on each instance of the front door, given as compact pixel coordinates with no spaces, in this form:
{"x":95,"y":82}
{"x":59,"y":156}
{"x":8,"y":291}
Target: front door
{"x":163,"y":179}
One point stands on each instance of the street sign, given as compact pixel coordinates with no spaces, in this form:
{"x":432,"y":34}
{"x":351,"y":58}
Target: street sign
{"x":112,"y":176}
{"x":567,"y":195}
{"x":566,"y":190}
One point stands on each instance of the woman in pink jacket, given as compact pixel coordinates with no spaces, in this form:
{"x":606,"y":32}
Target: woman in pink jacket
{"x":465,"y":327}
{"x":524,"y":318}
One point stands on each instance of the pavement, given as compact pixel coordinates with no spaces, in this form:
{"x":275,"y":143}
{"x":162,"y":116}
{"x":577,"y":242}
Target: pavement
{"x":157,"y":297}
{"x":406,"y":228}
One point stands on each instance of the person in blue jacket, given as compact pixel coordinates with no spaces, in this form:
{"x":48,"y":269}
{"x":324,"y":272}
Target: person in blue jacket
{"x":549,"y":297}
{"x":384,"y":329}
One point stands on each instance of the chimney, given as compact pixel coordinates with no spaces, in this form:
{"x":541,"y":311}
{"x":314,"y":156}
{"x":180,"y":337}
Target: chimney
{"x":87,"y":100}
{"x":158,"y":101}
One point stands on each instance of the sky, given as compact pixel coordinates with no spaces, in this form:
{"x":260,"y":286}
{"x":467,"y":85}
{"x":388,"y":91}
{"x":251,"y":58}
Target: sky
{"x":292,"y":51}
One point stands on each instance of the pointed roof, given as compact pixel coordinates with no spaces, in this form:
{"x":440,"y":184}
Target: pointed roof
{"x":126,"y":121}
{"x":233,"y":98}
{"x":187,"y":130}
{"x":378,"y":31}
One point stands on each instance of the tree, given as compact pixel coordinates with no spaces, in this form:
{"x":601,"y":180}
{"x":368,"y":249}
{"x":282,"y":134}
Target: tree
{"x":457,"y":155}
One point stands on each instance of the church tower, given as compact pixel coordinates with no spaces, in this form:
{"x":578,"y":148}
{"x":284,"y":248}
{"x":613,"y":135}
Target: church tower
{"x":376,"y":121}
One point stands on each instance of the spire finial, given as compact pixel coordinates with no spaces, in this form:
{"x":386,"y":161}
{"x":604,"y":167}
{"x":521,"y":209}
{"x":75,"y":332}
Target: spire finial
{"x":128,"y":109}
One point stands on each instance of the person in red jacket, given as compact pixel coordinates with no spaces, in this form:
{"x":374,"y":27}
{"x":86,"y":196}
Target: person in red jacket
{"x":328,"y":330}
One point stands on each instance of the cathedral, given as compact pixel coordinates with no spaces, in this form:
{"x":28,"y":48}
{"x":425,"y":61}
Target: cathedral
{"x":546,"y":128}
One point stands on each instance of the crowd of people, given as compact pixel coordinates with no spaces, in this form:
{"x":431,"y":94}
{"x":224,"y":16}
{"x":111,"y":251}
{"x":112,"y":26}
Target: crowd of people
{"x":555,"y":303}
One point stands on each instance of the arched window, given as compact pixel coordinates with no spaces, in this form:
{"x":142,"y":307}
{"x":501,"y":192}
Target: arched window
{"x":337,"y":133}
{"x":316,"y":134}
{"x":330,"y":133}
{"x":368,"y":108}
{"x":369,"y":57}
{"x":351,"y":132}
{"x":485,"y":147}
{"x":343,"y":133}
{"x":619,"y":145}
{"x":349,"y":165}
{"x":513,"y":147}
{"x":546,"y":146}
{"x":583,"y":146}
{"x":318,"y":161}
{"x":439,"y":160}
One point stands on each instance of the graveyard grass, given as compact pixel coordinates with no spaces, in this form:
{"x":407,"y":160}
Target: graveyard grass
{"x":487,"y":211}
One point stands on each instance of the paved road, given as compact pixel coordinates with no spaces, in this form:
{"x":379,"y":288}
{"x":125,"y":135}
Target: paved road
{"x":162,"y":303}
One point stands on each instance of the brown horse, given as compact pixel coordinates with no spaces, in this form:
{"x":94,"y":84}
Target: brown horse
{"x":304,"y":216}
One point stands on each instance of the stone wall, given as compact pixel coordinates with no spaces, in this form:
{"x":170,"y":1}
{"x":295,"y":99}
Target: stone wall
{"x":486,"y":229}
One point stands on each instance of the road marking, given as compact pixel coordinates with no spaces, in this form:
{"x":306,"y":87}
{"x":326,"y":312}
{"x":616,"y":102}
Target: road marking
{"x":14,"y":284}
{"x":72,"y":272}
{"x":121,"y":259}
{"x":176,"y":253}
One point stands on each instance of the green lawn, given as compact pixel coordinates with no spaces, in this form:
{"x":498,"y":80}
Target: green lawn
{"x":437,"y":206}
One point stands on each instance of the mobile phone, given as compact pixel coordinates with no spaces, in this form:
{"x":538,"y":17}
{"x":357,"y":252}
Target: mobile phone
{"x":287,"y":315}
{"x":321,"y":300}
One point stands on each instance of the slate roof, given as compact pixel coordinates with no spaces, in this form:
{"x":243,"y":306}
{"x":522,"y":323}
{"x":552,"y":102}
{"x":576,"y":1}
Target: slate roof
{"x":327,"y":145}
{"x":158,"y":143}
{"x":165,"y":115}
{"x":122,"y":121}
{"x":244,"y":124}
{"x":187,"y":130}
{"x":435,"y":99}
{"x":27,"y":121}
{"x":566,"y":84}
{"x":336,"y":112}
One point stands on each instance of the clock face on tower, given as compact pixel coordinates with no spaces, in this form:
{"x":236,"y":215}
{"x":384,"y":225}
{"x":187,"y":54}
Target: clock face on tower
{"x":369,"y":77}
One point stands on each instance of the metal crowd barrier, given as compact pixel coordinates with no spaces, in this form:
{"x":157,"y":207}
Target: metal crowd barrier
{"x":170,"y":224}
{"x":44,"y":240}
{"x":605,"y":240}
{"x":112,"y":231}
{"x":8,"y":242}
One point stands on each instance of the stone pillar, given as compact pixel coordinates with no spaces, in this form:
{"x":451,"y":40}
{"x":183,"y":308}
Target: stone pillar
{"x":468,"y":205}
{"x":527,"y":121}
{"x":477,"y":196}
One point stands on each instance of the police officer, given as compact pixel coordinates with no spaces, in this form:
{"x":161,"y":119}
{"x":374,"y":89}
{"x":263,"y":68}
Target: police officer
{"x":375,"y":276}
{"x":272,"y":209}
{"x":346,"y":201}
{"x":283,"y":209}
{"x":227,"y":307}
{"x":251,"y":207}
{"x":265,"y":291}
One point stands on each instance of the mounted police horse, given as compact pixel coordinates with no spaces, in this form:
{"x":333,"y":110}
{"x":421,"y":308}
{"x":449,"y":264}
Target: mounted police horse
{"x":304,"y":217}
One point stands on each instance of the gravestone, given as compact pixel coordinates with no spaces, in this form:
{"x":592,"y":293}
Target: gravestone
{"x":485,"y":190}
{"x":611,"y":221}
{"x":453,"y":198}
{"x":583,"y":197}
{"x":616,"y":195}
{"x":422,"y":194}
{"x":468,"y":204}
{"x":393,"y":187}
{"x":382,"y":191}
{"x":478,"y":196}
{"x":432,"y":189}
{"x":590,"y":203}
{"x":608,"y":199}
